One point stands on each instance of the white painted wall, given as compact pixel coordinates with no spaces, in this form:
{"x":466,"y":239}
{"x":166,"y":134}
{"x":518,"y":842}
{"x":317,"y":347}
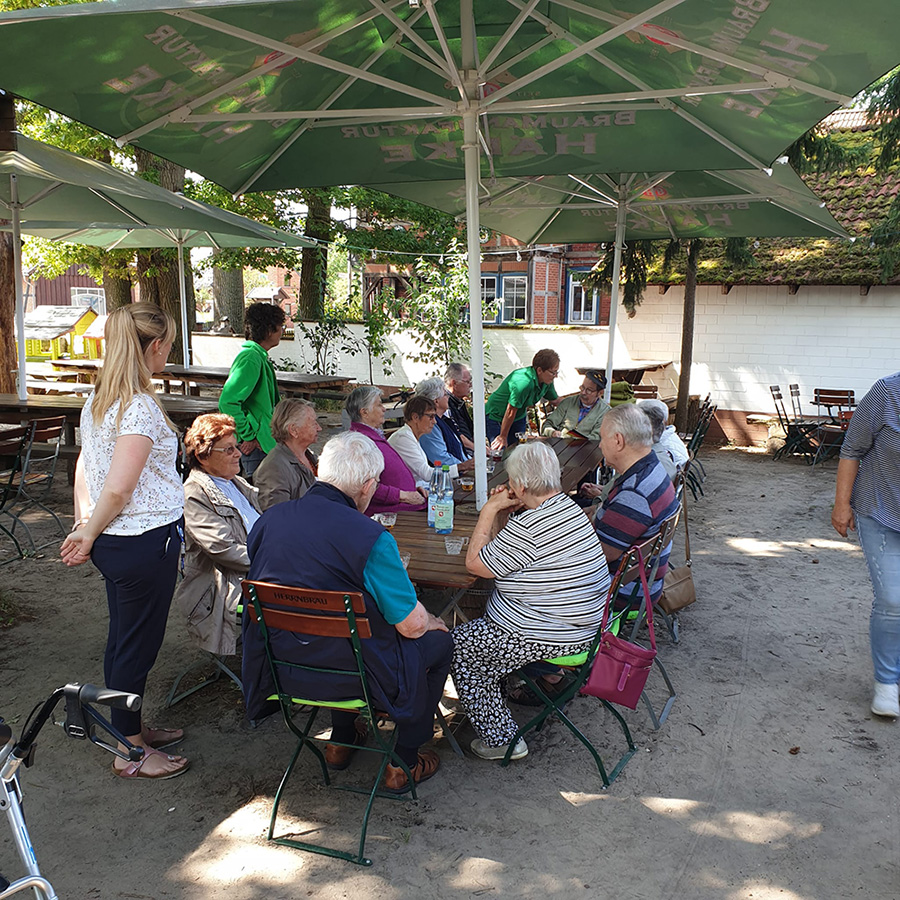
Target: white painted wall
{"x":744,"y":341}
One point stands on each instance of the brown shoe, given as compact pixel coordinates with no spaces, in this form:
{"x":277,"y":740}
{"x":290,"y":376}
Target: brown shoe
{"x":395,"y":780}
{"x":338,"y":758}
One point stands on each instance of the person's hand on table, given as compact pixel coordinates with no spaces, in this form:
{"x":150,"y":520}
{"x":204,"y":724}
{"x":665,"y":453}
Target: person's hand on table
{"x":592,"y":490}
{"x":413,"y":498}
{"x":247,"y":447}
{"x":556,"y":433}
{"x":76,"y":548}
{"x":465,"y":466}
{"x":498,"y":443}
{"x":842,"y":519}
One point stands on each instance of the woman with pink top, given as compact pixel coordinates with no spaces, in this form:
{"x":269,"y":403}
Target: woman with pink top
{"x":397,"y":490}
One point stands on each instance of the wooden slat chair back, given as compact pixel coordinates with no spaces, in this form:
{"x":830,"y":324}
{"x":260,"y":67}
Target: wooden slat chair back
{"x":830,"y":434}
{"x":337,"y":614}
{"x":646,"y":391}
{"x":13,"y":442}
{"x":576,"y":670}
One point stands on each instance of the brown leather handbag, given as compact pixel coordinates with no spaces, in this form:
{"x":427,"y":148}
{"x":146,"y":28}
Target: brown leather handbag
{"x":678,"y":585}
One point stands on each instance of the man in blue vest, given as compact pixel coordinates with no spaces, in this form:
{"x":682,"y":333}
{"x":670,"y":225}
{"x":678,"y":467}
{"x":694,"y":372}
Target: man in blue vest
{"x":323,"y":541}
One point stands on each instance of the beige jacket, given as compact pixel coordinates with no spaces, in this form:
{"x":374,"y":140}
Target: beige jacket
{"x":215,"y":562}
{"x":281,"y":476}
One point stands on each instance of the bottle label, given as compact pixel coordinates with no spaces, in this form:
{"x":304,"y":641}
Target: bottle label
{"x":443,"y":517}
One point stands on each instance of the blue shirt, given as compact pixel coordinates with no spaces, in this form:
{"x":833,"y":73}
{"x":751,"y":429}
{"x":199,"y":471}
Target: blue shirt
{"x":233,"y":493}
{"x":436,"y":447}
{"x":873,"y":438}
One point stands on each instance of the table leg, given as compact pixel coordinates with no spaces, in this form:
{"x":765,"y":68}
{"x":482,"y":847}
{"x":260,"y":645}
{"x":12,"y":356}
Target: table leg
{"x":451,"y":607}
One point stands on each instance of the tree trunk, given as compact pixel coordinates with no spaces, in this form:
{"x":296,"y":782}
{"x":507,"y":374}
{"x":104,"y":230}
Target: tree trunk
{"x":117,"y":289}
{"x":157,"y":269}
{"x":687,"y":338}
{"x":314,"y":265}
{"x":228,"y":297}
{"x":8,"y":361}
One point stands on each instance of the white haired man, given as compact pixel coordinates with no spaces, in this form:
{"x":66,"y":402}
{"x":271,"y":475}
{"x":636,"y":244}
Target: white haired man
{"x":442,"y":443}
{"x":458,"y":381}
{"x":642,"y":496}
{"x":324,"y":541}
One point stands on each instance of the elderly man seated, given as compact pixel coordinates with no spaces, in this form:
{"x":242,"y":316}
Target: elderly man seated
{"x":458,"y":381}
{"x":641,"y":497}
{"x":324,"y":541}
{"x":442,"y":443}
{"x":666,"y":444}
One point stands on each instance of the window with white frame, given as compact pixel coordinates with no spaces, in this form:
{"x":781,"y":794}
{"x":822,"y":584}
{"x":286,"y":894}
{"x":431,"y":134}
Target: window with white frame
{"x":584,"y":303}
{"x":93,"y":297}
{"x":515,"y":299}
{"x":489,"y":298}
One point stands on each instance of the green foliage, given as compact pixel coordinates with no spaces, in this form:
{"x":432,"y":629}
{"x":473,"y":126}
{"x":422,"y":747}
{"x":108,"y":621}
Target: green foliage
{"x":815,"y":153}
{"x":435,"y":312}
{"x":327,"y":338}
{"x":378,"y":327}
{"x":636,"y":259}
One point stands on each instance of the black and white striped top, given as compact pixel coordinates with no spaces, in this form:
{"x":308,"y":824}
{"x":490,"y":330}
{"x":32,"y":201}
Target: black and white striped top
{"x":873,"y":437}
{"x":551,"y":575}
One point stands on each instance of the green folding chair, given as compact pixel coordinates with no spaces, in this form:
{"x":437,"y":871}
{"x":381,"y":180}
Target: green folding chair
{"x":329,"y":614}
{"x":576,"y":670}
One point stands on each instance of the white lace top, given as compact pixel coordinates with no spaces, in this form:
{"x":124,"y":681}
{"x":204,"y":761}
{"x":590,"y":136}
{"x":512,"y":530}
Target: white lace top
{"x":158,"y":498}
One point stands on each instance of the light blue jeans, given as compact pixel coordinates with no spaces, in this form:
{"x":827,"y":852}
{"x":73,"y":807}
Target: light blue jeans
{"x":881,"y":546}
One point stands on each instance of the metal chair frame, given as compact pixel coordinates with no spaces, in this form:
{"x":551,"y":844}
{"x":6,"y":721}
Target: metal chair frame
{"x":829,"y":435}
{"x":332,"y":614}
{"x":13,"y":442}
{"x":797,"y":431}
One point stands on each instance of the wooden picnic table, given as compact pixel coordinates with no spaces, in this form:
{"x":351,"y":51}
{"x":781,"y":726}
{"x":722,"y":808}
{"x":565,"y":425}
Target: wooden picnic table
{"x":181,"y":410}
{"x":289,"y":383}
{"x":577,"y":458}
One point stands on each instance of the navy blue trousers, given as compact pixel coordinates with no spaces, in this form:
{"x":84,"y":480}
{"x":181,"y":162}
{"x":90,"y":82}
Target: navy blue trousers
{"x":492,"y":429}
{"x":436,"y":648}
{"x":140,"y":572}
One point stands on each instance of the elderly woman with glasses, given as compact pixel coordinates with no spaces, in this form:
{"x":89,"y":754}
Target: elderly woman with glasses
{"x":443,"y":442}
{"x":580,"y":414}
{"x":219,"y":511}
{"x":397,"y":489}
{"x":550,"y":585}
{"x":289,"y":470}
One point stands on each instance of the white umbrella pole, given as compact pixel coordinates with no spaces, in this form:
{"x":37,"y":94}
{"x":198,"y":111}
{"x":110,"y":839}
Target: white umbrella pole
{"x":20,"y":294}
{"x":182,"y":293}
{"x":473,"y":243}
{"x":614,"y":291}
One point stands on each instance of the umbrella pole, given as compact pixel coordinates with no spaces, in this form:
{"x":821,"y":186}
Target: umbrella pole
{"x":621,"y":212}
{"x":17,"y":274}
{"x":182,"y":293}
{"x":473,"y":244}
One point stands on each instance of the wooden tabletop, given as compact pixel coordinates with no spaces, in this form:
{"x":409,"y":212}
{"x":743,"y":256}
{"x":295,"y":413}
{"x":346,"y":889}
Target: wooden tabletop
{"x":182,"y":410}
{"x":289,"y":382}
{"x":576,"y":459}
{"x":429,"y":563}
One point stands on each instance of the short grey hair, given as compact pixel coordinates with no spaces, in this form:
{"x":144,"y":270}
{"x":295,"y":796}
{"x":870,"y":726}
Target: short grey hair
{"x":349,"y":460}
{"x":455,"y":372}
{"x":432,"y":389}
{"x":631,"y":423}
{"x":534,"y":467}
{"x":290,"y":411}
{"x":658,"y":414}
{"x":361,"y":398}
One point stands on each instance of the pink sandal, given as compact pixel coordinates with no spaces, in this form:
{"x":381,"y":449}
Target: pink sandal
{"x":135,"y":769}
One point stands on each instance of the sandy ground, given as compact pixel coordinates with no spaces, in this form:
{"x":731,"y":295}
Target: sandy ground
{"x":769,"y":780}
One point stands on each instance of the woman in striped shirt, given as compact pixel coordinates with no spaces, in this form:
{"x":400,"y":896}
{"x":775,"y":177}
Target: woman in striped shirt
{"x":867,"y":498}
{"x":550,"y":585}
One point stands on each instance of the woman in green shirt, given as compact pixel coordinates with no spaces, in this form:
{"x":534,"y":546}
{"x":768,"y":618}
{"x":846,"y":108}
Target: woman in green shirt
{"x":251,"y":392}
{"x":505,"y":408}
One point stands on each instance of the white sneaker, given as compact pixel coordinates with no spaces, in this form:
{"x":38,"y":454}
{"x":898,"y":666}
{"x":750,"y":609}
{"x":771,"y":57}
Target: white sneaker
{"x":885,"y":702}
{"x":479,"y":748}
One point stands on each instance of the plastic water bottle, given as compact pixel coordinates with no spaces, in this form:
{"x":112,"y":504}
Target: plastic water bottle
{"x":434,"y":490}
{"x":443,"y":510}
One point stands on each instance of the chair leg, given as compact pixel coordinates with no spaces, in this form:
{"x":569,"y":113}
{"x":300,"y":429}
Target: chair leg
{"x":658,"y":720}
{"x":17,"y":521}
{"x":220,"y":669}
{"x":20,"y":555}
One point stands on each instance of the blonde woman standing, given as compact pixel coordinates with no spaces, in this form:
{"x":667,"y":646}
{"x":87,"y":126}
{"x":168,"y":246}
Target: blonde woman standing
{"x":129,"y":503}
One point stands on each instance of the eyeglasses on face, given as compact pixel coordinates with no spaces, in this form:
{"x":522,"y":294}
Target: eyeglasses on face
{"x":230,"y":450}
{"x":590,"y":389}
{"x":430,"y":415}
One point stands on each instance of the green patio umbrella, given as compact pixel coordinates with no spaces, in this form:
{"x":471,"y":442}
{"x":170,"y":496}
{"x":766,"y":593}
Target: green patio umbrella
{"x":265,"y":94}
{"x":646,"y":206}
{"x":57,"y":195}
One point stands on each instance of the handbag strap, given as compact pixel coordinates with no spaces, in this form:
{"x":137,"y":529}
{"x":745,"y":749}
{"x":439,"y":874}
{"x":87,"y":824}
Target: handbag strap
{"x":687,"y":533}
{"x":648,"y":605}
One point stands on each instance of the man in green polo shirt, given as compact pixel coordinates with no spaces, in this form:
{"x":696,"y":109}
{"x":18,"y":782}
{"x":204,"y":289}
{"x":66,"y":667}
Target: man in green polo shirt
{"x":505,"y":408}
{"x":251,"y":392}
